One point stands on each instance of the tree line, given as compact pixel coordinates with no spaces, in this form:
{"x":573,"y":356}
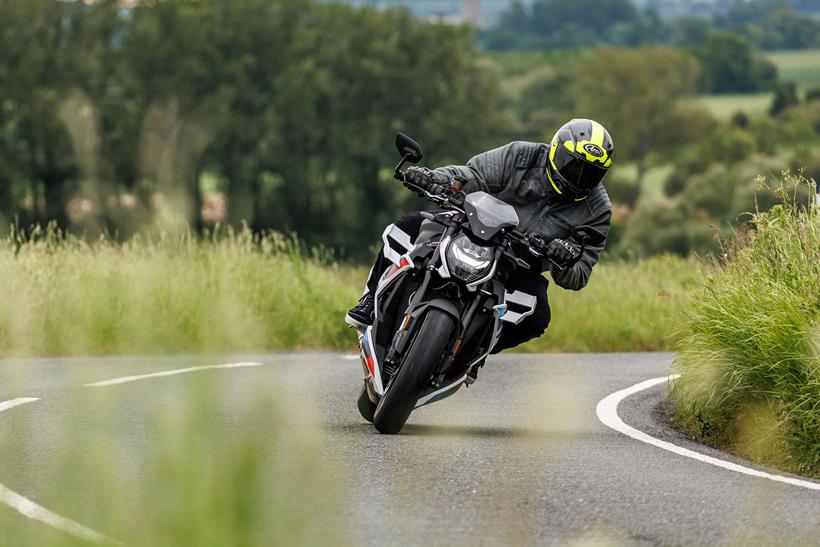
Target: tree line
{"x":113,"y":117}
{"x":726,"y":43}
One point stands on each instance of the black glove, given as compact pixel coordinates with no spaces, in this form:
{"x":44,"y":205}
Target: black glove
{"x":422,"y":178}
{"x":562,"y":252}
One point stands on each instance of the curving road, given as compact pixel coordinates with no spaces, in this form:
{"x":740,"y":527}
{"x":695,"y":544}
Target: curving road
{"x":520,"y":458}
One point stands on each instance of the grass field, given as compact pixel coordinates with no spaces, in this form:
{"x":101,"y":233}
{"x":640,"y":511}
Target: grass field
{"x":245,"y":293}
{"x":750,"y":357}
{"x":800,"y":66}
{"x":725,"y":105}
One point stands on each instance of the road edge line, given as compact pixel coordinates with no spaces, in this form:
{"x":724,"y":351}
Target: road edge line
{"x":32,"y":510}
{"x":607,"y":412}
{"x":164,"y":373}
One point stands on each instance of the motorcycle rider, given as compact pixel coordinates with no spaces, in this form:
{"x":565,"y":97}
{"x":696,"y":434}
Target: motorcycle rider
{"x":554,"y":188}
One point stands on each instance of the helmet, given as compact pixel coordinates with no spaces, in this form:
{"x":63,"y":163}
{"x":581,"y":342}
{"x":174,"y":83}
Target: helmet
{"x":579,"y":158}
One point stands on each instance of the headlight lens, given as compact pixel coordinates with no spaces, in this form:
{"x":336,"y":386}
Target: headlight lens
{"x":466,"y":260}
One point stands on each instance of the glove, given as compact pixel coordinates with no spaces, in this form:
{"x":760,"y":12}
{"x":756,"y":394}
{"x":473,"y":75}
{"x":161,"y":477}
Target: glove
{"x":562,"y":252}
{"x":422,"y":178}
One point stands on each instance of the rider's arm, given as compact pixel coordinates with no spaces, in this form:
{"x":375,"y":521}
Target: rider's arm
{"x":576,"y":277}
{"x":488,"y":172}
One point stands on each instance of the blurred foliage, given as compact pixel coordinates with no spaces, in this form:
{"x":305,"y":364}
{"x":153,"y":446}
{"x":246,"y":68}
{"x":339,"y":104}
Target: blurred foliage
{"x":730,"y":64}
{"x":209,"y":463}
{"x":180,"y":115}
{"x":785,"y":97}
{"x":292,"y":105}
{"x":552,"y":24}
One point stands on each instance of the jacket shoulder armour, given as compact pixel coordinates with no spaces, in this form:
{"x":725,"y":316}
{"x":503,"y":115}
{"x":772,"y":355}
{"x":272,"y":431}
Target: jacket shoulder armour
{"x":530,"y":154}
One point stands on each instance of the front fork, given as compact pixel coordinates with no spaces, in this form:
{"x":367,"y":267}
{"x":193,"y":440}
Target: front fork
{"x":402,"y":336}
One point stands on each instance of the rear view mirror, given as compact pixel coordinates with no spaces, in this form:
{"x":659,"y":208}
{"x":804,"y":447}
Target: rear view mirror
{"x":588,"y":236}
{"x":408,"y":148}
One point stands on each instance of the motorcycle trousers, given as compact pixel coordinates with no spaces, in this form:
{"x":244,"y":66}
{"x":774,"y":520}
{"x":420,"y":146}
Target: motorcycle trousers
{"x":526,"y":281}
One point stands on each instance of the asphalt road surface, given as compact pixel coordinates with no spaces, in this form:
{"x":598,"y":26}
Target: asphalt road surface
{"x":519,"y":458}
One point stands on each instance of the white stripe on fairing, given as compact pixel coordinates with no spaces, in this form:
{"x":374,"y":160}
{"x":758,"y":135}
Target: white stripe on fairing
{"x":31,"y":510}
{"x":127,"y":379}
{"x":607,"y":411}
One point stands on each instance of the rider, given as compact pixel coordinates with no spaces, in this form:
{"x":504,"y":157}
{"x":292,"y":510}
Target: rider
{"x":554,"y":188}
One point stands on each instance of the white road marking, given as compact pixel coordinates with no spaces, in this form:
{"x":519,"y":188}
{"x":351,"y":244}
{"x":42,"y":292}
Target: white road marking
{"x":351,"y":357}
{"x":127,"y":379}
{"x":607,"y":411}
{"x":6,"y":405}
{"x":29,"y":509}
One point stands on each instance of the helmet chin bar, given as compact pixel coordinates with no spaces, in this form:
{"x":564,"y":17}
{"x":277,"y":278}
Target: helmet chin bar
{"x":563,"y":187}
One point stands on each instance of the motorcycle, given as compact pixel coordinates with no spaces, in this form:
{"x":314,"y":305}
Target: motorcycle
{"x":441,"y":306}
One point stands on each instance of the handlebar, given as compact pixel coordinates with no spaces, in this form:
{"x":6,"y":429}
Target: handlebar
{"x":447,"y":203}
{"x":441,"y":200}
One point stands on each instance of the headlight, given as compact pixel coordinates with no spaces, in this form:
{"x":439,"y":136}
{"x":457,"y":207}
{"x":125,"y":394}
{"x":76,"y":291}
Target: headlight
{"x":466,"y":260}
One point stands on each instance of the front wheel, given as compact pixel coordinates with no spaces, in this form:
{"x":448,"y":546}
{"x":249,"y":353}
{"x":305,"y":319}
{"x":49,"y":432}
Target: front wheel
{"x":430,"y":342}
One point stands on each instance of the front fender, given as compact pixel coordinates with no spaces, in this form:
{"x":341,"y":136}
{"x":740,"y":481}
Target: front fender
{"x":437,"y":303}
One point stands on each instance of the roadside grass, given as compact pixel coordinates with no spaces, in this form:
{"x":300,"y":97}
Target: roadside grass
{"x":61,"y":296}
{"x":750,"y":357}
{"x":627,"y":306}
{"x":241,"y":292}
{"x":203,"y":469}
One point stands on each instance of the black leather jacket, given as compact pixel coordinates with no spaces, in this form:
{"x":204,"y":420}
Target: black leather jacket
{"x":516,"y":174}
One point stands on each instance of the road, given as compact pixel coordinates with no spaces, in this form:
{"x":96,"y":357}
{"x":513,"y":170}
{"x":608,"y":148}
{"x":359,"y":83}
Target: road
{"x":520,"y":458}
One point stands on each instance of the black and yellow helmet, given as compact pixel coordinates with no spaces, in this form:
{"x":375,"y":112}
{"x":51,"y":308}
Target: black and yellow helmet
{"x":580,"y":156}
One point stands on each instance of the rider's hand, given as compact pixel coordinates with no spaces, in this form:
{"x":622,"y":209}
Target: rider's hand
{"x":562,"y":252}
{"x":422,"y":178}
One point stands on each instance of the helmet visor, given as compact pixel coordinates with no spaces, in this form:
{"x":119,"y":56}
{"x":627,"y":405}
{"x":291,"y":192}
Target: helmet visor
{"x":580,"y":174}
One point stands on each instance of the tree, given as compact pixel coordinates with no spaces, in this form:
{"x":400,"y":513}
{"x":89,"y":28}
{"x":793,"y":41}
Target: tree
{"x":556,"y":24}
{"x":785,"y":97}
{"x":730,"y":65}
{"x":635,"y":94}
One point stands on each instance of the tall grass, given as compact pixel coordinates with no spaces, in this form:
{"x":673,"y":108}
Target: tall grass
{"x":627,"y":306}
{"x":60,"y":295}
{"x":750,"y":360}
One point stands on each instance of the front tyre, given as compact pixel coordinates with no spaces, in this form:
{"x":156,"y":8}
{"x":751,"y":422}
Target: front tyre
{"x":366,"y":407}
{"x":401,"y":396}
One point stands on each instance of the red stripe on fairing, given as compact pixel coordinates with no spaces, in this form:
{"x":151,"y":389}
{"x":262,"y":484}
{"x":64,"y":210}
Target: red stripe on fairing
{"x":368,"y":357}
{"x":370,"y":365}
{"x":404,"y":262}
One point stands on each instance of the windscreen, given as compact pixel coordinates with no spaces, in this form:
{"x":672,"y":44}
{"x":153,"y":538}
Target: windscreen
{"x":488,"y":215}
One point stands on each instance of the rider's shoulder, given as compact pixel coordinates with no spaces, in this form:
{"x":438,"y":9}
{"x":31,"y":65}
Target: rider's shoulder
{"x":599,"y":198}
{"x":528,"y":154}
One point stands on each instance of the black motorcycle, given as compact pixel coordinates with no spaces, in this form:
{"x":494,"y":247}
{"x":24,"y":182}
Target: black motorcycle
{"x":440,"y":307}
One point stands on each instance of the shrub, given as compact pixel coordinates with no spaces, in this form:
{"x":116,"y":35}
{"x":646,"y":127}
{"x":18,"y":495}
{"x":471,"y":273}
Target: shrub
{"x":813,"y":94}
{"x":750,"y":358}
{"x":785,"y":97}
{"x":622,"y":190}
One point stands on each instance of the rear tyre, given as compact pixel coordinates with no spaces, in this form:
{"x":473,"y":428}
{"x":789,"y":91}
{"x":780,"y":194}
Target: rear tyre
{"x":366,"y":407}
{"x":397,"y":403}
